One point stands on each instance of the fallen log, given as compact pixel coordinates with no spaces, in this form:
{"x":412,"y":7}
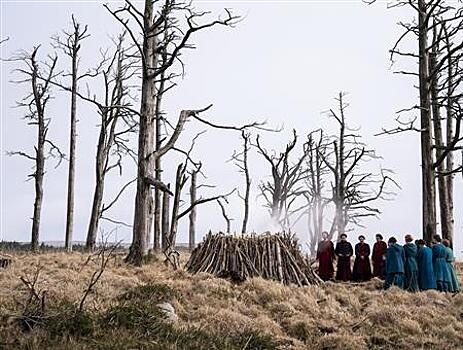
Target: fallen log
{"x":271,"y":256}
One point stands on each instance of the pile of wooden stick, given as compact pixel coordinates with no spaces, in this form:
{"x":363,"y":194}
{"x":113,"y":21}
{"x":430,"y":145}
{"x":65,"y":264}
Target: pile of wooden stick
{"x":270,"y":256}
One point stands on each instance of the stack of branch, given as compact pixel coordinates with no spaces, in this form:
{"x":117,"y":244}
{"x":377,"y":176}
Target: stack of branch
{"x":270,"y":256}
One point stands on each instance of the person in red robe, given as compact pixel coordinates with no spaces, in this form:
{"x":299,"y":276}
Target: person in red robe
{"x":362,"y":268}
{"x":325,"y":257}
{"x":379,"y":257}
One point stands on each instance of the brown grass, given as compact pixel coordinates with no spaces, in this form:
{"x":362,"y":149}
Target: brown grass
{"x":333,"y":316}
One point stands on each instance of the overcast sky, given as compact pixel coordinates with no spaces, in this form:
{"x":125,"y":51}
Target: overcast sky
{"x":285,"y":62}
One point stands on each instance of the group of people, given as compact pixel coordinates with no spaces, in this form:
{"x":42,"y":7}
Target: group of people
{"x":412,"y":266}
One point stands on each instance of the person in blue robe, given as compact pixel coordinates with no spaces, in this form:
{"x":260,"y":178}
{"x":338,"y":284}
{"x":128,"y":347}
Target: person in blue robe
{"x":395,"y":259}
{"x":441,"y":269}
{"x":426,"y":278}
{"x":411,"y":266}
{"x":454,"y":284}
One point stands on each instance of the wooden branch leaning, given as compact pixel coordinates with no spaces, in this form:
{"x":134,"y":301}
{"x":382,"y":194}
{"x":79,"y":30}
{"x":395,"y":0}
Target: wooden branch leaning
{"x":270,"y":256}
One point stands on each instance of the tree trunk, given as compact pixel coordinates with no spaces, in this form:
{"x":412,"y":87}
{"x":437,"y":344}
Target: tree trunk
{"x":449,"y":139}
{"x":179,"y":182}
{"x":139,"y":248}
{"x":445,"y":215}
{"x":248,"y":184}
{"x":40,"y":171}
{"x":39,"y":158}
{"x":192,"y":216}
{"x":95,"y":214}
{"x":427,"y":170}
{"x":165,"y":219}
{"x":72,"y":153}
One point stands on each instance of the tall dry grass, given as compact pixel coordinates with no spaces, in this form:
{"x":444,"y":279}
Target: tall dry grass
{"x":333,"y":316}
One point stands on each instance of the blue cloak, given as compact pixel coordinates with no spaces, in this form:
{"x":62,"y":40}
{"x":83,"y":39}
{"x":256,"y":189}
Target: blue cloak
{"x":426,"y":278}
{"x":454,"y":284}
{"x":441,"y":268}
{"x":395,"y":259}
{"x":411,"y":267}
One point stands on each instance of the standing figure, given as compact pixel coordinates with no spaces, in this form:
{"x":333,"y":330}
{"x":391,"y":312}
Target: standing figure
{"x":441,"y":268}
{"x":343,"y":251}
{"x":426,"y":278}
{"x":411,"y":266}
{"x":379,"y":256}
{"x":362,"y":268}
{"x":454,"y":284}
{"x":395,"y":259}
{"x":325,"y":257}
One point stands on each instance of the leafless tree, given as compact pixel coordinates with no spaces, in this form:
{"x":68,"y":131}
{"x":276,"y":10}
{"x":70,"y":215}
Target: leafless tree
{"x":227,"y":219}
{"x":36,"y":103}
{"x":286,"y":184}
{"x":117,"y":123}
{"x":70,"y":44}
{"x":153,"y":24}
{"x":438,"y":33}
{"x":240,"y":159}
{"x":160,"y":44}
{"x":352,"y":189}
{"x":315,"y":180}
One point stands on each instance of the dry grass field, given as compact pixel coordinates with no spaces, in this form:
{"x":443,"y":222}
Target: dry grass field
{"x":121,"y":311}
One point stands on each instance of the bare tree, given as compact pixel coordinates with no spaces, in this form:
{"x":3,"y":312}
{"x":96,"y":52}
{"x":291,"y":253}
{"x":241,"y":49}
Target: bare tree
{"x":117,"y":122}
{"x":352,"y":188}
{"x":441,"y":21}
{"x":240,"y":159}
{"x":228,"y":220}
{"x":153,"y":25}
{"x":36,"y":102}
{"x":315,"y":180}
{"x":70,"y":44}
{"x":286,"y":184}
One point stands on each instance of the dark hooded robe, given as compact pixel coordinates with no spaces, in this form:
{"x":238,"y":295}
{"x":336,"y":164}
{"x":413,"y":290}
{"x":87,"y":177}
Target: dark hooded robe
{"x":395,"y":270}
{"x":379,"y":258}
{"x":454,"y":284}
{"x":411,"y":267}
{"x":426,"y":278}
{"x":441,"y":269}
{"x":344,"y":251}
{"x":362,"y":268}
{"x":325,"y":257}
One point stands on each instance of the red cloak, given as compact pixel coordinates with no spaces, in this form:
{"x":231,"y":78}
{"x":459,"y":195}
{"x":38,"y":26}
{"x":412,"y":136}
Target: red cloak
{"x":325,"y":257}
{"x":379,"y":252}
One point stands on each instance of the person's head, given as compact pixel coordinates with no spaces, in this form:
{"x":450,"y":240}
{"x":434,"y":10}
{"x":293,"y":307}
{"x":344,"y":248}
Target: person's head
{"x":392,"y":241}
{"x":408,"y":238}
{"x":324,"y":235}
{"x":361,"y":238}
{"x":437,"y":238}
{"x":379,"y":237}
{"x":446,"y":242}
{"x":343,"y":237}
{"x":420,"y":242}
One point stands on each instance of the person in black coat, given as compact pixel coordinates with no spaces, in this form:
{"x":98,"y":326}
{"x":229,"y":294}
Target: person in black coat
{"x":344,"y":252}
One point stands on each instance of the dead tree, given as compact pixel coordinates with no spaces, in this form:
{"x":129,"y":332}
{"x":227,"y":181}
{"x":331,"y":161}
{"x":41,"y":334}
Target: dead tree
{"x":70,"y":44}
{"x":352,"y":189}
{"x":240,"y":159}
{"x":434,"y":57}
{"x":445,"y":100}
{"x":227,"y":219}
{"x":117,"y":123}
{"x":286,"y":184}
{"x":153,"y":25}
{"x":36,"y":102}
{"x":315,"y":180}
